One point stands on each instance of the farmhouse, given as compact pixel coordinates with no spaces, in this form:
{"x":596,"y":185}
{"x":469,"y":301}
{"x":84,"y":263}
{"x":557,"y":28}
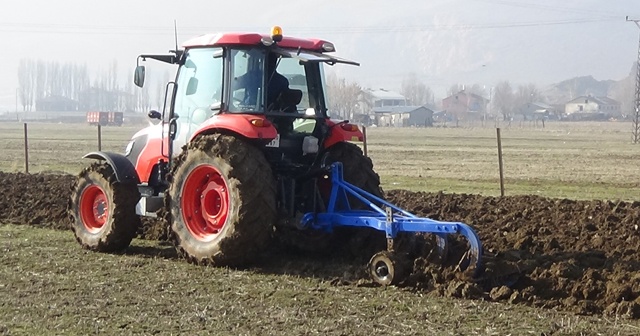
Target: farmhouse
{"x":465,"y":106}
{"x":592,"y":107}
{"x":98,"y":99}
{"x":537,"y":111}
{"x":382,"y":98}
{"x":370,"y":99}
{"x":403,"y":116}
{"x":56,"y":103}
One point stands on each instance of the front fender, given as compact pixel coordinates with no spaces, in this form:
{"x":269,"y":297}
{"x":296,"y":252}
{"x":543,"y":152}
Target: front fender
{"x":122,"y":167}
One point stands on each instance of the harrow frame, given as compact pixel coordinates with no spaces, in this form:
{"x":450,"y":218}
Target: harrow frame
{"x":387,"y":217}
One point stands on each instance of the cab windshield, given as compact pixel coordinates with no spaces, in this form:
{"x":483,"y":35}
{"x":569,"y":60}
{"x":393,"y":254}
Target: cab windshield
{"x":268,"y":81}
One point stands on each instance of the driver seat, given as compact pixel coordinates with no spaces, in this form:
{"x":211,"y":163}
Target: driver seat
{"x":287,"y":100}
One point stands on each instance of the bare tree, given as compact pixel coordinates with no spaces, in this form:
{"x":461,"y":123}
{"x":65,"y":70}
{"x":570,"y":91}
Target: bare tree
{"x":343,"y":96}
{"x":416,"y":91}
{"x":112,"y":78}
{"x":25,"y":90}
{"x":41,"y":80}
{"x":81,"y":81}
{"x":455,"y":88}
{"x":526,"y":94}
{"x":503,"y":100}
{"x":476,"y":89}
{"x":624,"y":92}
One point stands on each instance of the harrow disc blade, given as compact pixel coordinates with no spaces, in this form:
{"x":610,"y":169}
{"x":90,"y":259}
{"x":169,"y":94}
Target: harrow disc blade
{"x":471,"y":262}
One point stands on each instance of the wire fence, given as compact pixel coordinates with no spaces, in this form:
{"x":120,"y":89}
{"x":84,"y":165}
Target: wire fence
{"x":56,"y":147}
{"x":589,"y":160}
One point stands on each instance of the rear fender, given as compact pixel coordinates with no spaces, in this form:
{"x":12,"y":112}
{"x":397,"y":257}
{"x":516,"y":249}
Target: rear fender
{"x":341,"y":132}
{"x":247,"y":125}
{"x":122,"y":167}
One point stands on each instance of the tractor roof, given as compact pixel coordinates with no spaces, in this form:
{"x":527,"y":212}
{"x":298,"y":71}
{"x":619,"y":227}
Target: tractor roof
{"x":252,"y":39}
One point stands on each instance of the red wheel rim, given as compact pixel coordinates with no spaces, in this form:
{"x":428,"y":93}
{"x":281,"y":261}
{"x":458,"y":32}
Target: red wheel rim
{"x":205,"y":202}
{"x":94,"y":208}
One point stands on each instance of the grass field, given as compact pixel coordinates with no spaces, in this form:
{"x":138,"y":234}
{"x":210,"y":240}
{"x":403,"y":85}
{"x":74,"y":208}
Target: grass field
{"x":49,"y":285}
{"x":589,"y":160}
{"x":572,"y":160}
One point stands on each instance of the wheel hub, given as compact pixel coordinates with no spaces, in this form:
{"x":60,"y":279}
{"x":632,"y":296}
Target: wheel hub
{"x":382,"y":270}
{"x":205,"y":202}
{"x":94,"y":208}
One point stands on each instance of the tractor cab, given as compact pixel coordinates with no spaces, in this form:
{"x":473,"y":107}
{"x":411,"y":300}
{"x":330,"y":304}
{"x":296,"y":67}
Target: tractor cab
{"x":269,"y":89}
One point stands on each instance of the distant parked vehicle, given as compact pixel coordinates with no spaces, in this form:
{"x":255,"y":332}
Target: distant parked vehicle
{"x":95,"y":118}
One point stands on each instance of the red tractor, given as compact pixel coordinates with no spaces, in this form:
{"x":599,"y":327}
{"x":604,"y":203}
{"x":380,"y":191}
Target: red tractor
{"x":245,"y":148}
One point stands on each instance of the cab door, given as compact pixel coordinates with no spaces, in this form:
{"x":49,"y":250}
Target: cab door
{"x":198,"y":93}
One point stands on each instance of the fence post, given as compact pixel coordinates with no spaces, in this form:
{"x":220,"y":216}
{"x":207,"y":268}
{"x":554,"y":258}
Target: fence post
{"x":26,"y":150}
{"x":500,"y":162}
{"x":364,"y":139}
{"x":99,"y":138}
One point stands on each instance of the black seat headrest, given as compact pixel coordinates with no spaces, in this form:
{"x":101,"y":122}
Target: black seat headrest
{"x":291,"y":97}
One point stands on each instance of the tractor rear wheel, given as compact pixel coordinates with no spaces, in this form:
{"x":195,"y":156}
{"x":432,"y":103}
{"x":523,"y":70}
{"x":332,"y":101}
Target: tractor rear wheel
{"x":104,"y":210}
{"x":357,"y":170}
{"x":222,"y":201}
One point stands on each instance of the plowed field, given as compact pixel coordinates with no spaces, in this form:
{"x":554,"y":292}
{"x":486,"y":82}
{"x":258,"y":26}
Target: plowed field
{"x":580,"y":256}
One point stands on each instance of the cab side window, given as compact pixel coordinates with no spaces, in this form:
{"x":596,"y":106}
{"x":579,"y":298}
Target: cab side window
{"x":199,"y":89}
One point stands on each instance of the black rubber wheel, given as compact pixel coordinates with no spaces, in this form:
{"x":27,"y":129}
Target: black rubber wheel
{"x":386,"y":268}
{"x":103,"y":210}
{"x":222,"y":201}
{"x":357,"y":170}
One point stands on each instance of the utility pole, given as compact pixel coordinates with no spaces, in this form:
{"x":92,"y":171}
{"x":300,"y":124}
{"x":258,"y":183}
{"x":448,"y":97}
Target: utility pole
{"x":636,"y":115}
{"x":17,"y":104}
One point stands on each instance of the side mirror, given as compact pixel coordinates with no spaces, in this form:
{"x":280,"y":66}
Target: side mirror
{"x":153,"y":114}
{"x":192,"y":86}
{"x":138,"y":76}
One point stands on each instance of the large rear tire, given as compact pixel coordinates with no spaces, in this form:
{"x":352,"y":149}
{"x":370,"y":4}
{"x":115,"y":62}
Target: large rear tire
{"x":357,"y":170}
{"x":103,"y":210}
{"x":222,"y":201}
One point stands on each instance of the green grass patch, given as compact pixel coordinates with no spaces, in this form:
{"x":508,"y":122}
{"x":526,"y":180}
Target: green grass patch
{"x":51,"y":286}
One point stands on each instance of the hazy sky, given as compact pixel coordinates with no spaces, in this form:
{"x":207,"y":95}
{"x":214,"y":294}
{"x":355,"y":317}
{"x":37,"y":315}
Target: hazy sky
{"x":443,"y":42}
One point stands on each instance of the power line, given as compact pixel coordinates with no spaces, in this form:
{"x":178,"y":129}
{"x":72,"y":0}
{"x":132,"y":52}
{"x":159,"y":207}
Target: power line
{"x":555,"y":8}
{"x":194,"y":30}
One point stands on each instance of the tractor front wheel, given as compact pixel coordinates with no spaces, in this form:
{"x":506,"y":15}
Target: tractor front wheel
{"x":221,"y":201}
{"x":104,"y":210}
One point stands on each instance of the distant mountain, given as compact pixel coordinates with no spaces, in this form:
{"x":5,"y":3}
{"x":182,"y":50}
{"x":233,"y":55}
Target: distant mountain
{"x":579,"y":86}
{"x":623,"y":90}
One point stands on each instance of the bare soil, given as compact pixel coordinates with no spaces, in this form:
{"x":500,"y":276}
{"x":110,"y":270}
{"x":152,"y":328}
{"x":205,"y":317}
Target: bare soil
{"x":579,"y":256}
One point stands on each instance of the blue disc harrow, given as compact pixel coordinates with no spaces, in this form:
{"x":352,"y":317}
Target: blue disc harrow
{"x":385,"y":267}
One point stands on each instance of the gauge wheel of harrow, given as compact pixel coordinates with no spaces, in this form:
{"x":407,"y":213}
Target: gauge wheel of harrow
{"x":387,"y":268}
{"x":103,"y":210}
{"x":357,"y":170}
{"x":222,"y":200}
